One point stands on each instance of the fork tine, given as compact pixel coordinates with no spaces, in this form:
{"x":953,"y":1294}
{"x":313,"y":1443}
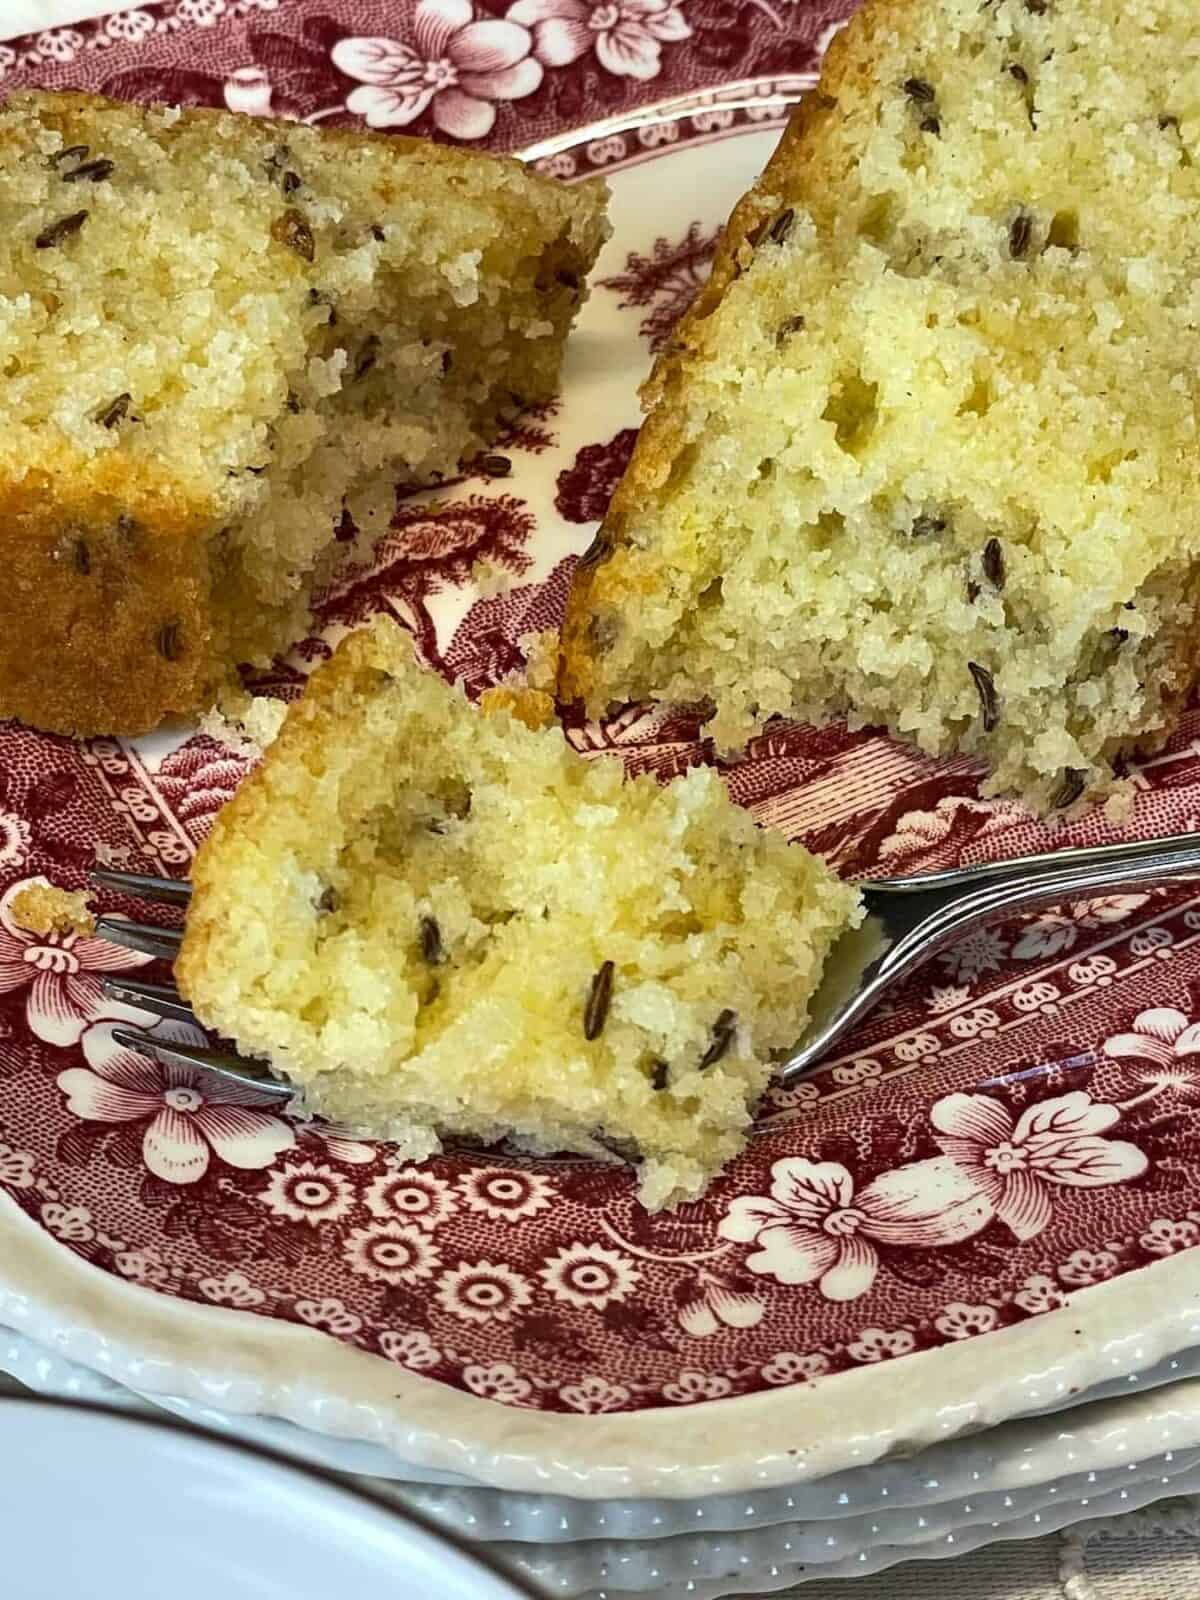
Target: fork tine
{"x":161,"y":998}
{"x":162,"y":943}
{"x":172,"y":891}
{"x":222,"y":1064}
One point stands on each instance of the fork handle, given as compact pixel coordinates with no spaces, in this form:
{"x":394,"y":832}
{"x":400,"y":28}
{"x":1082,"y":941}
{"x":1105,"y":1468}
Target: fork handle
{"x":980,"y":873}
{"x":954,"y":911}
{"x":936,"y":917}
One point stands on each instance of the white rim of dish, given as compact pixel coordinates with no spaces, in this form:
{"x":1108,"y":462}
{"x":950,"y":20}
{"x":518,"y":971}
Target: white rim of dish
{"x":243,"y":1363}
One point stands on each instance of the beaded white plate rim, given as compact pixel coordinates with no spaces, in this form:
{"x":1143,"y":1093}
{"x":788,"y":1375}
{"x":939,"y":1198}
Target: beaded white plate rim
{"x":243,"y":1364}
{"x":1120,"y":1452}
{"x":1115,"y":1428}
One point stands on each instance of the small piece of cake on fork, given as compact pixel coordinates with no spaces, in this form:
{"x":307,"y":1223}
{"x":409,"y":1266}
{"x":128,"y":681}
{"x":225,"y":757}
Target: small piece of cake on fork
{"x":436,"y":919}
{"x":925,"y":450}
{"x":215,"y":332}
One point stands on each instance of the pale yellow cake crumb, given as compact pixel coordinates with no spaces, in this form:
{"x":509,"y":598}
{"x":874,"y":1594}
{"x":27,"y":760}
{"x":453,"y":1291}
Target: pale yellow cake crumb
{"x":246,"y":723}
{"x":42,"y":908}
{"x":436,"y":920}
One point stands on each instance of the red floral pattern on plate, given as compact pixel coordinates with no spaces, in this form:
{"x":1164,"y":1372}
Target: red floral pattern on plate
{"x":505,"y":76}
{"x":1015,"y":1127}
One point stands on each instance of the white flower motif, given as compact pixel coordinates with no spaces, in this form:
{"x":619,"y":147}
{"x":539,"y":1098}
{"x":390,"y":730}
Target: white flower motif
{"x":863,"y":1070}
{"x":589,"y":1275}
{"x":923,"y":839}
{"x":410,"y":1348}
{"x":305,"y":1192}
{"x":881,"y":1344}
{"x":59,"y":44}
{"x":456,"y":67}
{"x":787,"y":1366}
{"x":248,"y":90}
{"x":146,"y":1266}
{"x":813,"y":1228}
{"x":483,"y":1291}
{"x":627,"y":35}
{"x":16,"y":1168}
{"x":329,"y":1314}
{"x":189,"y":1116}
{"x":392,"y":1252}
{"x":412,"y":1196}
{"x":1087,"y":1266}
{"x":1038,"y":1294}
{"x":1055,"y":931}
{"x":234,"y":1289}
{"x":129,"y":25}
{"x":14,"y":839}
{"x":8,"y":58}
{"x":1164,"y":1236}
{"x":72,"y":1224}
{"x":1056,"y":1143}
{"x":962,"y":1321}
{"x":506,"y":1194}
{"x":60,"y":971}
{"x":201,"y":13}
{"x":500,"y":1381}
{"x":979,"y":952}
{"x":691,"y":1386}
{"x":1166,"y":1039}
{"x":707,"y":1303}
{"x":593,"y":1395}
{"x":947,"y":997}
{"x":801,"y":1096}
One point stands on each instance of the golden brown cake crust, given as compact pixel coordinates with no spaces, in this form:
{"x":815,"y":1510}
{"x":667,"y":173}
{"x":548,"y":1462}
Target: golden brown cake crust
{"x":118,"y":573}
{"x":105,"y":616}
{"x":809,"y":151}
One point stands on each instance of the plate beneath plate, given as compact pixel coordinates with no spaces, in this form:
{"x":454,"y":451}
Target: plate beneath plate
{"x":1002,"y":1484}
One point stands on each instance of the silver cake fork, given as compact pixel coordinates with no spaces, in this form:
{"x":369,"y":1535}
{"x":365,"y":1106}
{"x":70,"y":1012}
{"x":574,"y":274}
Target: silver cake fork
{"x":908,"y":920}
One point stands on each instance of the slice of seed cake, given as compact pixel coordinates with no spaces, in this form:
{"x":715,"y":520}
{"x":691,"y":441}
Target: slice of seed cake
{"x":213,"y":332}
{"x":925,"y":450}
{"x":437,"y":919}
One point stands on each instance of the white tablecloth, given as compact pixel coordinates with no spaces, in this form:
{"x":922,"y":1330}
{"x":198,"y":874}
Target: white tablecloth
{"x":1148,"y":1555}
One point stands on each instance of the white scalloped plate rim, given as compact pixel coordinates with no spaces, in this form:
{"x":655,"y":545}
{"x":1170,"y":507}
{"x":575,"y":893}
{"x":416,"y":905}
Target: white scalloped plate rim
{"x":246,"y":1364}
{"x":1137,"y":1442}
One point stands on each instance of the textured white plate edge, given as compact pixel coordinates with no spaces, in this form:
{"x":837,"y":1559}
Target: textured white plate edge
{"x":242,"y":1363}
{"x":1158,"y":1429}
{"x":961,"y":1542}
{"x":1015,"y":1457}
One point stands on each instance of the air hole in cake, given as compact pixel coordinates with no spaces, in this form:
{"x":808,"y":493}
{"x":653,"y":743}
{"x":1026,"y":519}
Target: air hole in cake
{"x":1063,"y":233}
{"x":877,"y":223}
{"x":978,"y":401}
{"x":853,"y":409}
{"x":828,"y":528}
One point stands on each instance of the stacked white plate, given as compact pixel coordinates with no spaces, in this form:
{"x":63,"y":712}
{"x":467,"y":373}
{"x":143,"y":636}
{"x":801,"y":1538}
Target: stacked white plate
{"x":1107,"y":1454}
